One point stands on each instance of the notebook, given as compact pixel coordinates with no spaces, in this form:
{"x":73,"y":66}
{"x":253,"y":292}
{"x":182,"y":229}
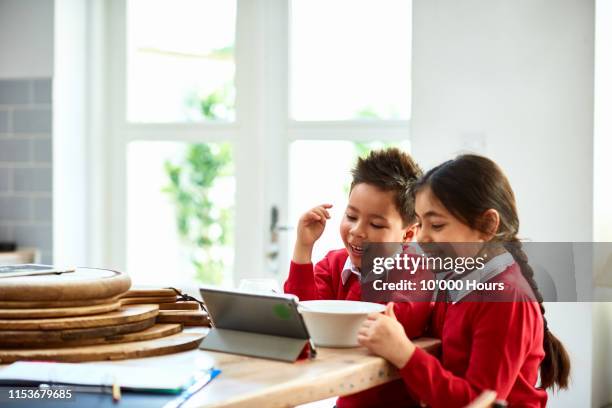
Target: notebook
{"x":149,"y":379}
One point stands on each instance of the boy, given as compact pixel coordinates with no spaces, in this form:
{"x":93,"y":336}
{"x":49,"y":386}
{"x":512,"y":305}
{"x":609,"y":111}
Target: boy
{"x":380,"y":209}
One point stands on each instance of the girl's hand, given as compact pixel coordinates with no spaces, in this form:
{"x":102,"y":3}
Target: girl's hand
{"x":310,"y":227}
{"x":382,"y":334}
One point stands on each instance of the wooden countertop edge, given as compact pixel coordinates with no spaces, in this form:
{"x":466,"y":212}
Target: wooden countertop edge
{"x":346,"y":381}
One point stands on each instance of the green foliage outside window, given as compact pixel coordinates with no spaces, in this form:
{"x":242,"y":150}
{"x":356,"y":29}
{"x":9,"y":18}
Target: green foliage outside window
{"x":202,"y":224}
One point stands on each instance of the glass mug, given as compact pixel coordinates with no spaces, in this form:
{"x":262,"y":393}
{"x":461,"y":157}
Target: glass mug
{"x":261,"y":285}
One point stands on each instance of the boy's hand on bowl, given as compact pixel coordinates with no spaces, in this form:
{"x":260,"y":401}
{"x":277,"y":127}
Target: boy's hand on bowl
{"x":310,"y":227}
{"x":383,"y":335}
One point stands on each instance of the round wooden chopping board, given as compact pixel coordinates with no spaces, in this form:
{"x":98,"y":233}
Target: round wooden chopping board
{"x":156,"y":347}
{"x":126,"y":314}
{"x":82,"y":284}
{"x":186,"y":317}
{"x":43,"y":304}
{"x":44,"y":338}
{"x":58,"y":311}
{"x":145,"y":300}
{"x":145,"y":330}
{"x":187,"y":305}
{"x":143,"y":291}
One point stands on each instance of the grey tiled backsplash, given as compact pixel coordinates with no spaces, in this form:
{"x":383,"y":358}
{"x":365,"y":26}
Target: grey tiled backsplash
{"x":38,"y":236}
{"x":42,"y":209}
{"x":4,"y":125}
{"x":16,"y":208}
{"x":42,"y":91}
{"x":42,"y":150}
{"x":32,"y":180}
{"x":6,"y":231}
{"x":14,"y":150}
{"x":6,"y":176}
{"x":15,"y":92}
{"x":32,"y":120}
{"x":26,"y":168}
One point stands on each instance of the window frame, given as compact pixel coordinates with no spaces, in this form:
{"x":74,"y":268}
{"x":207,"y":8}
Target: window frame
{"x":260,"y":135}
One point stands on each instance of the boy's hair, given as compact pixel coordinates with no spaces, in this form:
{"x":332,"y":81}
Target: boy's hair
{"x":390,"y":170}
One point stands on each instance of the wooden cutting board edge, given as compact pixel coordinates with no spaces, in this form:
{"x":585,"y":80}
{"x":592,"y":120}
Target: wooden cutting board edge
{"x":126,"y":314}
{"x":59,"y":312}
{"x":30,"y":290}
{"x":121,"y":351}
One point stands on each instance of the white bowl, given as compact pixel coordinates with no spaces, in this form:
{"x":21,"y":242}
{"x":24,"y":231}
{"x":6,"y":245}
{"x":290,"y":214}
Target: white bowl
{"x":335,"y":323}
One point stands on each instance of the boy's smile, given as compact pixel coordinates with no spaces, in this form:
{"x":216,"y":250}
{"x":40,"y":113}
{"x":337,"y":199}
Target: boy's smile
{"x":371,"y":216}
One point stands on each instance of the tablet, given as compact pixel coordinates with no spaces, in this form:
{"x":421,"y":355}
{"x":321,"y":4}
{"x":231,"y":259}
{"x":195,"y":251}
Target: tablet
{"x":271,"y":314}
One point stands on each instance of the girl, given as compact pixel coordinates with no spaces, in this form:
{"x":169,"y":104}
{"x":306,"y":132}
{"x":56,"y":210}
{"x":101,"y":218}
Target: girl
{"x":485,"y":345}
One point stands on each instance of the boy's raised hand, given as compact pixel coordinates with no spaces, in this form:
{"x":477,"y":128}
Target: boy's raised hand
{"x":310,"y":227}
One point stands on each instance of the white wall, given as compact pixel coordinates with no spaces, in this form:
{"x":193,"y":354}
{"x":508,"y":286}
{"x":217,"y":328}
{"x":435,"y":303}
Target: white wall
{"x":71,"y":173}
{"x":514,"y":80}
{"x":603,"y":121}
{"x":26,"y":38}
{"x":517,"y":75}
{"x":602,"y":200}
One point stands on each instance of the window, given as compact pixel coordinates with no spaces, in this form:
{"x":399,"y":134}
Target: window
{"x":180,"y":212}
{"x":350,"y":59}
{"x":325,"y":184}
{"x":180,"y":60}
{"x":286,"y":92}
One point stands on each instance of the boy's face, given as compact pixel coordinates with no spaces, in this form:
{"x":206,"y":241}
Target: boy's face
{"x":371,"y":216}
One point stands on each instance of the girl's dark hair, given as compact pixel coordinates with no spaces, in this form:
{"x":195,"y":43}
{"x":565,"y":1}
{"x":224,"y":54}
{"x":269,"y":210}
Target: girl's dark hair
{"x":390,"y":170}
{"x":470,"y":185}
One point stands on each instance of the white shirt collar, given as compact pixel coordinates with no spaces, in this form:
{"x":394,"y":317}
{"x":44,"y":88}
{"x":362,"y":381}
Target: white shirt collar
{"x":348,"y":269}
{"x":491,"y":269}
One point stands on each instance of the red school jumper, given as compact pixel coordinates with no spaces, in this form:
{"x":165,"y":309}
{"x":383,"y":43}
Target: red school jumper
{"x":324,"y":281}
{"x":485,"y":345}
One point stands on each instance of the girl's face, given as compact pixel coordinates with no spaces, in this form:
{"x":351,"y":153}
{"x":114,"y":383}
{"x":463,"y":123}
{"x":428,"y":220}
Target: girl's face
{"x":371,"y":216}
{"x":437,"y":225}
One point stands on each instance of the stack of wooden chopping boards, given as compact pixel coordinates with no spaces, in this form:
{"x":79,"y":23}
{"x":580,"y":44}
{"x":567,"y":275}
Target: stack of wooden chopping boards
{"x":89,"y":315}
{"x":172,"y":309}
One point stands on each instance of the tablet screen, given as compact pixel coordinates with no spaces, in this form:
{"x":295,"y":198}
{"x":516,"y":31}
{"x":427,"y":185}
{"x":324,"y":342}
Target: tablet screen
{"x":274,"y":314}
